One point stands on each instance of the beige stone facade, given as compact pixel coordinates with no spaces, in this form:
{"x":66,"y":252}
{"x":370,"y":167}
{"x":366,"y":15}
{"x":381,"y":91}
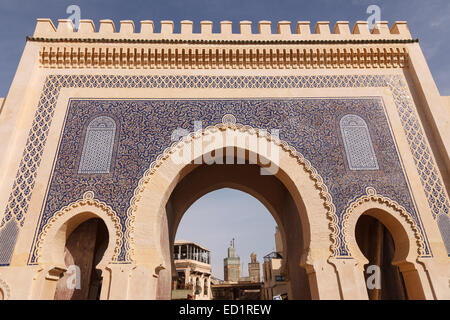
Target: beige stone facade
{"x":274,"y":280}
{"x":193,"y":271}
{"x":274,"y":271}
{"x":386,"y":155}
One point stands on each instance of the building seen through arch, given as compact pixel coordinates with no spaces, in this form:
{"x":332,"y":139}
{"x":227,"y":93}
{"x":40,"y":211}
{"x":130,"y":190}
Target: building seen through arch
{"x":193,"y":271}
{"x":274,"y":272}
{"x":234,"y":286}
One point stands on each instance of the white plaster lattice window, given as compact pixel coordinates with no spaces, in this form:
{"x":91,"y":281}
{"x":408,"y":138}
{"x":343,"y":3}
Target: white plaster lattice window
{"x":98,"y":146}
{"x":357,"y":143}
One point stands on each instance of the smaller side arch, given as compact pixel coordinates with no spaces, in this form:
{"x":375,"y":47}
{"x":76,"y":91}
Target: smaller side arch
{"x":51,"y":241}
{"x":408,"y":242}
{"x":397,"y":220}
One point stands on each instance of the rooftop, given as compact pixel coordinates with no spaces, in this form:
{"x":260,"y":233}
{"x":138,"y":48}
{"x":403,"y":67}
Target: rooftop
{"x":183,"y":242}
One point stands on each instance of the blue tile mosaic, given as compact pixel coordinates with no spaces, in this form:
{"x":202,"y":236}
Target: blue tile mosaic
{"x":309,"y":125}
{"x":25,"y":178}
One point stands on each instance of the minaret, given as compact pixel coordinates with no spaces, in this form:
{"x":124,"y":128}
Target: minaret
{"x":254,"y":269}
{"x":231,"y":265}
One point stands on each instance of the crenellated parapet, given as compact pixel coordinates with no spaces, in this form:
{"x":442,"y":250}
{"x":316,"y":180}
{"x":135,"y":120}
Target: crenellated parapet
{"x":304,"y":47}
{"x":302,"y":31}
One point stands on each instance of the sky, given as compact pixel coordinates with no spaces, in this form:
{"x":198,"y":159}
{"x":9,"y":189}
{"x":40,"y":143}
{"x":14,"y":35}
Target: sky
{"x":219,"y":216}
{"x":209,"y":221}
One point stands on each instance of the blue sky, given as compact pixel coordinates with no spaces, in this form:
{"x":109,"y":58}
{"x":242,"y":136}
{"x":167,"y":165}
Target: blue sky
{"x":427,"y":20}
{"x":221,"y":215}
{"x":208,"y":221}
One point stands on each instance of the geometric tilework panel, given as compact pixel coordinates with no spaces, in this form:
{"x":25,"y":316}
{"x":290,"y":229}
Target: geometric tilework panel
{"x":444,"y":227}
{"x":357,"y":143}
{"x":98,"y":146}
{"x":312,"y":126}
{"x":24,"y":182}
{"x":8,"y":236}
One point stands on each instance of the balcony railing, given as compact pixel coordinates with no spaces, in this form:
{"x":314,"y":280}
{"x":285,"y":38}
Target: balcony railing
{"x":182,"y":256}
